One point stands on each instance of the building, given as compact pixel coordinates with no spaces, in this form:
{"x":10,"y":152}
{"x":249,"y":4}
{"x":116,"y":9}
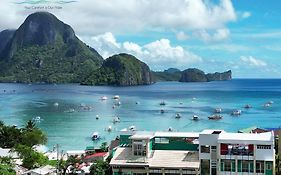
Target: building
{"x":45,"y":170}
{"x":209,"y":152}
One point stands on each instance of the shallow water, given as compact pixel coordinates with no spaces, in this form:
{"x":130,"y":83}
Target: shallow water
{"x":72,"y":130}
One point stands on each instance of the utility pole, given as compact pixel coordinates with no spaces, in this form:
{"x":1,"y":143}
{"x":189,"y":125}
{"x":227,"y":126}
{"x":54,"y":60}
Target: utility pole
{"x":57,"y":146}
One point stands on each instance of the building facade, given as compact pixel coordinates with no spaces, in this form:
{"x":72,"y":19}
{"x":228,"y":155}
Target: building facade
{"x":210,"y":152}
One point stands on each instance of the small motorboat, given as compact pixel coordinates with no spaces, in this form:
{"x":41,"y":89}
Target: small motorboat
{"x":215,"y":117}
{"x":116,"y":97}
{"x":236,"y":112}
{"x":266,"y":105}
{"x":97,"y":117}
{"x":109,"y":128}
{"x":162,"y":111}
{"x":247,"y":106}
{"x":103,"y":98}
{"x":195,"y":117}
{"x":56,"y":104}
{"x":270,"y":102}
{"x":118,"y":103}
{"x":116,"y":119}
{"x":178,"y":115}
{"x":70,"y":110}
{"x":170,"y":129}
{"x":95,"y":136}
{"x":137,"y":102}
{"x":162,"y":103}
{"x":218,"y":110}
{"x":132,"y":128}
{"x":37,"y":119}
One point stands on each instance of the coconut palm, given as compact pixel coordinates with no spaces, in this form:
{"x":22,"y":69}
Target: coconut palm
{"x":30,"y":125}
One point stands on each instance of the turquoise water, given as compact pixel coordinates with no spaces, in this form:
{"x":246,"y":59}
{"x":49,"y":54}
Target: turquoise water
{"x":72,"y":130}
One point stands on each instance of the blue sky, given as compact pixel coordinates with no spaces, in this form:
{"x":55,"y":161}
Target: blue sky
{"x":213,"y":35}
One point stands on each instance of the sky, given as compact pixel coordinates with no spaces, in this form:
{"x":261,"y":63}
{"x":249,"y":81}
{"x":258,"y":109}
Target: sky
{"x":212,"y":35}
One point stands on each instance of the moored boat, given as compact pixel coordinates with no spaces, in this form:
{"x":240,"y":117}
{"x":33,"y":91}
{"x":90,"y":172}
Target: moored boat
{"x":116,"y":97}
{"x":132,"y":128}
{"x":95,"y":136}
{"x":178,"y":115}
{"x":247,"y":106}
{"x":103,"y":98}
{"x":215,"y":117}
{"x":116,"y":119}
{"x":195,"y":117}
{"x":162,"y":103}
{"x":236,"y":112}
{"x":218,"y":110}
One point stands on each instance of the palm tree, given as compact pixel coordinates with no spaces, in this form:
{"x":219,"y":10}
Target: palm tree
{"x":30,"y":125}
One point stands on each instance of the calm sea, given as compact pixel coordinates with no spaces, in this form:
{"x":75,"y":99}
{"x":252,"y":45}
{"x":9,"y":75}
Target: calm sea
{"x":73,"y":121}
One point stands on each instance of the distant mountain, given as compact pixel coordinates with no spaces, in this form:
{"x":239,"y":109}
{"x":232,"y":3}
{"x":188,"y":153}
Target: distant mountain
{"x":171,"y":74}
{"x":121,"y":70}
{"x":44,"y":49}
{"x":5,"y":37}
{"x":197,"y":75}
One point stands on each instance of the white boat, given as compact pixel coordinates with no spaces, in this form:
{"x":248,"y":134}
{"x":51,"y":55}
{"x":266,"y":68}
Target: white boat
{"x":95,"y":136}
{"x":118,"y":103}
{"x":162,"y":111}
{"x":236,"y":112}
{"x":132,"y":128}
{"x":56,"y":104}
{"x":37,"y":119}
{"x":270,"y":102}
{"x":137,"y":102}
{"x":195,"y":117}
{"x":266,"y":105}
{"x":109,"y":128}
{"x":116,"y":97}
{"x":218,"y":110}
{"x":170,"y":129}
{"x":162,"y":103}
{"x":178,"y":115}
{"x":70,"y":110}
{"x":97,"y":117}
{"x":116,"y":119}
{"x":103,"y":98}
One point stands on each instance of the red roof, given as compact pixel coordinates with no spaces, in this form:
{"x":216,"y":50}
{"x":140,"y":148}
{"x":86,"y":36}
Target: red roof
{"x":101,"y":154}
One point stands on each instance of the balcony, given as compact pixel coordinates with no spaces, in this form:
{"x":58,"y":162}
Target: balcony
{"x":237,"y":151}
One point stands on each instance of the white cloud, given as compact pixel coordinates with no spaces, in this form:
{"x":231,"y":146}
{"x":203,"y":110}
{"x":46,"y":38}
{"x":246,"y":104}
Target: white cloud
{"x":158,"y":54}
{"x":226,"y":47}
{"x":246,"y":14}
{"x":253,"y":61}
{"x":181,"y":36}
{"x":91,"y":17}
{"x":217,"y":35}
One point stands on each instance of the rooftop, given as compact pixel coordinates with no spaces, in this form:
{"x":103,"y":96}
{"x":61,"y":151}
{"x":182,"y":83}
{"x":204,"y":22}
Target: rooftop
{"x":248,"y":137}
{"x":177,"y":134}
{"x":159,"y":158}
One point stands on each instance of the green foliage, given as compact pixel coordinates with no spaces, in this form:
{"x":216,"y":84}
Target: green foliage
{"x":6,"y":170}
{"x":120,"y":70}
{"x":100,"y":167}
{"x":30,"y":158}
{"x":104,"y":147}
{"x":6,"y":166}
{"x":10,"y":136}
{"x":51,"y":63}
{"x":166,"y":76}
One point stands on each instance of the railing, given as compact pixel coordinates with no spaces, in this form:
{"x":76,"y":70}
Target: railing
{"x":238,"y":152}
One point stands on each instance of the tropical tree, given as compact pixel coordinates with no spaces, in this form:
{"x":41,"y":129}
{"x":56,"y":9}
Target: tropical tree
{"x":30,"y":125}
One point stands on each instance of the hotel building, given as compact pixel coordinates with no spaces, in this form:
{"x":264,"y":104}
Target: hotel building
{"x":210,"y":152}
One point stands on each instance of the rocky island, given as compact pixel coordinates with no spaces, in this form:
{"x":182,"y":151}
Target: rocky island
{"x":121,"y":70}
{"x":197,"y":75}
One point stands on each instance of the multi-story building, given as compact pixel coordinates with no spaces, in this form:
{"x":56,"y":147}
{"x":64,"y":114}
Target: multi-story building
{"x":209,"y":152}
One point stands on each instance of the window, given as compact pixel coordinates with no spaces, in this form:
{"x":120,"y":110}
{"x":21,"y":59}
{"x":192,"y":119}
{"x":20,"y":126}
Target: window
{"x":139,"y":149}
{"x":205,"y":149}
{"x":263,"y":146}
{"x":227,"y":165}
{"x":162,"y":140}
{"x":245,"y":166}
{"x":259,"y":167}
{"x":268,"y":166}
